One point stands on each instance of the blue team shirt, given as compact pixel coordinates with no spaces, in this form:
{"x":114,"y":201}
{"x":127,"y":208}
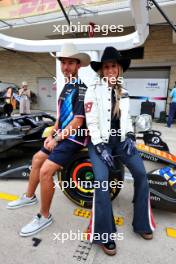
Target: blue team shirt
{"x":173,"y":95}
{"x":71,"y":104}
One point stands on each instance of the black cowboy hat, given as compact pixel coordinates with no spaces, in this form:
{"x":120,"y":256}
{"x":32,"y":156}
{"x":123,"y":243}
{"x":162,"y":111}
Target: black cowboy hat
{"x":109,"y":54}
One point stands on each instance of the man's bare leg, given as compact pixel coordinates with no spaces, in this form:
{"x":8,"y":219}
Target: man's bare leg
{"x":34,"y":178}
{"x":47,"y":189}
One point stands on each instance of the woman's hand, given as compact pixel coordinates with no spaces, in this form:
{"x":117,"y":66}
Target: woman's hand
{"x":130,"y":143}
{"x":105,"y":155}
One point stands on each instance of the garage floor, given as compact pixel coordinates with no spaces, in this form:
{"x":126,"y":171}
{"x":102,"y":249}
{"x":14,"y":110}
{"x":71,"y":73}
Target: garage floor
{"x":132,"y":249}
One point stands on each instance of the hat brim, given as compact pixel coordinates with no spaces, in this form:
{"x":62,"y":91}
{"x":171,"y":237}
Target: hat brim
{"x":82,"y":57}
{"x":125,"y":63}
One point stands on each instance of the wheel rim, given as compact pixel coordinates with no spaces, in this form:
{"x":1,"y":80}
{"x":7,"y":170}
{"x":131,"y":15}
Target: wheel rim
{"x":83,"y":173}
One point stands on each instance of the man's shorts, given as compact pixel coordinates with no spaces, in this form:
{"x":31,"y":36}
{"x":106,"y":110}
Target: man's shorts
{"x":63,"y":152}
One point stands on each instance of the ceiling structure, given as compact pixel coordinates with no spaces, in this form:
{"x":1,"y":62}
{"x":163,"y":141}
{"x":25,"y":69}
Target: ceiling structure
{"x":38,"y":19}
{"x":34,"y":19}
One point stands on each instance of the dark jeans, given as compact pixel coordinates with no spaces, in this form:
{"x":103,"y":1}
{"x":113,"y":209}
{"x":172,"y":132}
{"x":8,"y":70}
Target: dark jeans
{"x":102,"y":216}
{"x":172,"y":111}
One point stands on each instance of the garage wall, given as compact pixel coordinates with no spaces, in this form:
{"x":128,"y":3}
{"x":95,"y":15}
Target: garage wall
{"x":47,"y":98}
{"x":160,"y":51}
{"x":159,"y":48}
{"x":172,"y":76}
{"x":17,"y":67}
{"x":151,"y":83}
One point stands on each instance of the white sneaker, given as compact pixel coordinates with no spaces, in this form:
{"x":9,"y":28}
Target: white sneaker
{"x":38,"y":223}
{"x":23,"y":201}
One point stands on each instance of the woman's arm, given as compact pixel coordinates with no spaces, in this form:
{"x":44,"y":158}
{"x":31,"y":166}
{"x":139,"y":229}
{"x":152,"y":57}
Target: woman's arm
{"x":91,"y":112}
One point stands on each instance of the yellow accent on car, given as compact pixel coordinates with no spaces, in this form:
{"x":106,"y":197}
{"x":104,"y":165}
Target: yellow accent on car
{"x":47,"y":131}
{"x":156,"y":152}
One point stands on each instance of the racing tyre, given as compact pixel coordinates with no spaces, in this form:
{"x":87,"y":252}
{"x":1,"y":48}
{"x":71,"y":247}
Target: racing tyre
{"x":77,"y":178}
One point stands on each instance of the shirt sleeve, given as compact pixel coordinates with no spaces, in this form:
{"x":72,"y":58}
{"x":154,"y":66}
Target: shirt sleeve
{"x":172,"y":92}
{"x":78,"y":106}
{"x":92,"y":120}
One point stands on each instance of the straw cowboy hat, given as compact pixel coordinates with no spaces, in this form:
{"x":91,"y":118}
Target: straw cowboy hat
{"x":111,"y":54}
{"x":69,"y":50}
{"x":24,"y":83}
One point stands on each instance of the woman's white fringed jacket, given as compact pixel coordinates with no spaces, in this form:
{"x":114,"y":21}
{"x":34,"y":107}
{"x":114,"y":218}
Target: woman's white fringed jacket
{"x":98,"y":113}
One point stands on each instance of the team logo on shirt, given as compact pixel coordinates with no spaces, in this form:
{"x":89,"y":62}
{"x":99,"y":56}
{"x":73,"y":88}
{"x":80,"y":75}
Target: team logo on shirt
{"x":88,"y":107}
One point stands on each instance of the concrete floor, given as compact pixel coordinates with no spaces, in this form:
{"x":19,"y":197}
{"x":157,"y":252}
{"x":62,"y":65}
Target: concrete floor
{"x":131,"y":250}
{"x":168,"y":135}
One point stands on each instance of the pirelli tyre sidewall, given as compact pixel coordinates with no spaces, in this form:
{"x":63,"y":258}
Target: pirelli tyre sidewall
{"x":79,"y":170}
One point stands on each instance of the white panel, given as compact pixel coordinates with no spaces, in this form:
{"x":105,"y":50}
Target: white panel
{"x":46,"y":94}
{"x":140,"y":16}
{"x":86,"y":74}
{"x":59,"y":77}
{"x":153,"y":89}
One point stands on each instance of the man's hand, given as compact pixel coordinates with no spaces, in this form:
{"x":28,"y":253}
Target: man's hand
{"x":105,"y":155}
{"x":51,"y":144}
{"x":47,"y":140}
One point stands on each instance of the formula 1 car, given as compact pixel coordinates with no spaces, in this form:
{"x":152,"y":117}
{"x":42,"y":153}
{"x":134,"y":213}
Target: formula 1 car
{"x":160,"y":165}
{"x":20,"y":138}
{"x":17,"y":153}
{"x":5,"y":109}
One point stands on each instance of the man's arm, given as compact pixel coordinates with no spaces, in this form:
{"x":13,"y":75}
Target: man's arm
{"x":50,"y":137}
{"x":20,"y":91}
{"x":76,"y":123}
{"x":59,"y":135}
{"x":55,"y":128}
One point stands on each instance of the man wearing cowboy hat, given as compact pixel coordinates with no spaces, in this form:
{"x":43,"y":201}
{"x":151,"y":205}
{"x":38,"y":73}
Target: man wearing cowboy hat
{"x":61,"y":145}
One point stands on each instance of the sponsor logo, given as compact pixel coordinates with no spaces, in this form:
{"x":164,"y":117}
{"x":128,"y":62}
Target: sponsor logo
{"x":153,"y":151}
{"x":152,"y":85}
{"x":164,"y":183}
{"x":148,"y":156}
{"x":155,"y":140}
{"x":155,"y":198}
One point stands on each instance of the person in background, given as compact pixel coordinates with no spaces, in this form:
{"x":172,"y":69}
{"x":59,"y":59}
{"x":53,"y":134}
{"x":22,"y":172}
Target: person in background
{"x":9,"y":101}
{"x":25,"y":95}
{"x":172,"y":107}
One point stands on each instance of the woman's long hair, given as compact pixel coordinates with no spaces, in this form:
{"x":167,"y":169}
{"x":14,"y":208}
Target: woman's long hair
{"x":118,"y":92}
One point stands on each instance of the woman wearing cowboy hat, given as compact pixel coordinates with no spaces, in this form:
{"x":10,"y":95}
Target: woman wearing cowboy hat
{"x":107,"y":110}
